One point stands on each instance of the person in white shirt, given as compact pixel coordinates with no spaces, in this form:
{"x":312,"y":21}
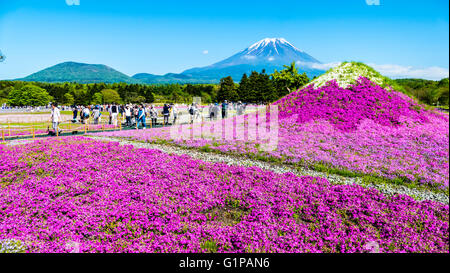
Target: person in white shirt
{"x":240,"y":108}
{"x":215,"y":110}
{"x":86,"y":113}
{"x":114,"y":111}
{"x":56,"y":117}
{"x":174,"y":108}
{"x":192,"y":111}
{"x":153,"y":115}
{"x":128,"y":115}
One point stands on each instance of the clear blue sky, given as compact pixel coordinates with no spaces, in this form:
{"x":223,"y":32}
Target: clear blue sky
{"x":170,"y":36}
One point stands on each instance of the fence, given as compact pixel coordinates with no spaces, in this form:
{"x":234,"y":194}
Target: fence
{"x":42,"y":129}
{"x":14,"y":131}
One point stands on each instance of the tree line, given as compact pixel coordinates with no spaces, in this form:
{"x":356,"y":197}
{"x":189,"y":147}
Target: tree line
{"x":427,"y":91}
{"x":19,"y":93}
{"x":261,"y":87}
{"x":258,"y":87}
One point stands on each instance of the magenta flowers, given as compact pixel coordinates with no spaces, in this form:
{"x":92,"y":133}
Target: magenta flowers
{"x":346,"y":108}
{"x":363,"y":129}
{"x":66,"y":193}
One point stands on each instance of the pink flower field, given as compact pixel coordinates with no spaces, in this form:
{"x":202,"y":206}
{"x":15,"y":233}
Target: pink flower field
{"x":363,"y":129}
{"x":74,"y":192}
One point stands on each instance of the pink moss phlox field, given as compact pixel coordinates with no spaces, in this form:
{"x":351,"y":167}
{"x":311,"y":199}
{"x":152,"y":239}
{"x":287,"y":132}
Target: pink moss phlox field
{"x":364,"y":129}
{"x":345,"y":108}
{"x":110,"y":198}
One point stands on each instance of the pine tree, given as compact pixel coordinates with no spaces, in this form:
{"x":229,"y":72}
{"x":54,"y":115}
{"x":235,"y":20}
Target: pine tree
{"x":227,"y":90}
{"x":243,"y":90}
{"x":254,"y":95}
{"x":266,"y":88}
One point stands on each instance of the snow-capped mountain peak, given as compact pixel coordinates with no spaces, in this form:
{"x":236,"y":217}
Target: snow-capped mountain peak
{"x":268,"y":54}
{"x":272,"y":50}
{"x":270,"y":42}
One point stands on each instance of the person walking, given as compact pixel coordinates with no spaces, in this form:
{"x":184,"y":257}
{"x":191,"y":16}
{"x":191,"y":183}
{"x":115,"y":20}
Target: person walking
{"x":96,"y":114}
{"x":114,"y":111}
{"x":141,"y":117}
{"x":192,"y":111}
{"x":215,"y":111}
{"x":224,"y":109}
{"x":174,"y":113}
{"x":75,"y":113}
{"x":166,"y":113}
{"x":121,"y":114}
{"x":128,"y":115}
{"x":82,"y":114}
{"x":211,"y":111}
{"x":153,"y":115}
{"x":135,"y":112}
{"x":240,"y":108}
{"x":86,"y":114}
{"x":56,"y":117}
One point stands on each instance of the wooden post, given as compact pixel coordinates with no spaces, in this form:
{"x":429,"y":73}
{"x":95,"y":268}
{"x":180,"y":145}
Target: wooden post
{"x":34,"y":133}
{"x":9,"y":129}
{"x":120,"y":126}
{"x":3,"y":135}
{"x":57,"y":130}
{"x":201,"y":129}
{"x":103,"y":127}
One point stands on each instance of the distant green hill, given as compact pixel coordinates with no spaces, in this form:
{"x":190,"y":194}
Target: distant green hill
{"x":99,"y":73}
{"x":171,"y":78}
{"x":81,"y":73}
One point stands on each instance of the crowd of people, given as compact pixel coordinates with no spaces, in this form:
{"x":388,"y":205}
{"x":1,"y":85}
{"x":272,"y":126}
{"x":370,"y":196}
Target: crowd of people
{"x":224,"y":107}
{"x":129,"y":114}
{"x":137,"y":115}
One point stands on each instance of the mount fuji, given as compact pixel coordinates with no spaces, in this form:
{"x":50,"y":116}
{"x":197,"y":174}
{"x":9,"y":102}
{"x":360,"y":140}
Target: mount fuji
{"x":268,"y":54}
{"x":271,"y":51}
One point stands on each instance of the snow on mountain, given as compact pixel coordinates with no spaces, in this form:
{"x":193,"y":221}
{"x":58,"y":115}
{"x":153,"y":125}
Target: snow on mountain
{"x":273,"y":50}
{"x":271,"y":43}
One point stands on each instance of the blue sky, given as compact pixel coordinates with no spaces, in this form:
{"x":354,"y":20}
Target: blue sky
{"x":400,"y":38}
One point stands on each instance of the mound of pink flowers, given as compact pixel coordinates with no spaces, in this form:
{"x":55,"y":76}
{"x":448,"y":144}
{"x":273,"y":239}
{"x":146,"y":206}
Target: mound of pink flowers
{"x":75,"y":194}
{"x":363,"y":129}
{"x":345,"y":108}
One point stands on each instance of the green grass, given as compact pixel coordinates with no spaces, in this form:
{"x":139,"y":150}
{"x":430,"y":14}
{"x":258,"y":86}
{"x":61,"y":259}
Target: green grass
{"x":210,"y":246}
